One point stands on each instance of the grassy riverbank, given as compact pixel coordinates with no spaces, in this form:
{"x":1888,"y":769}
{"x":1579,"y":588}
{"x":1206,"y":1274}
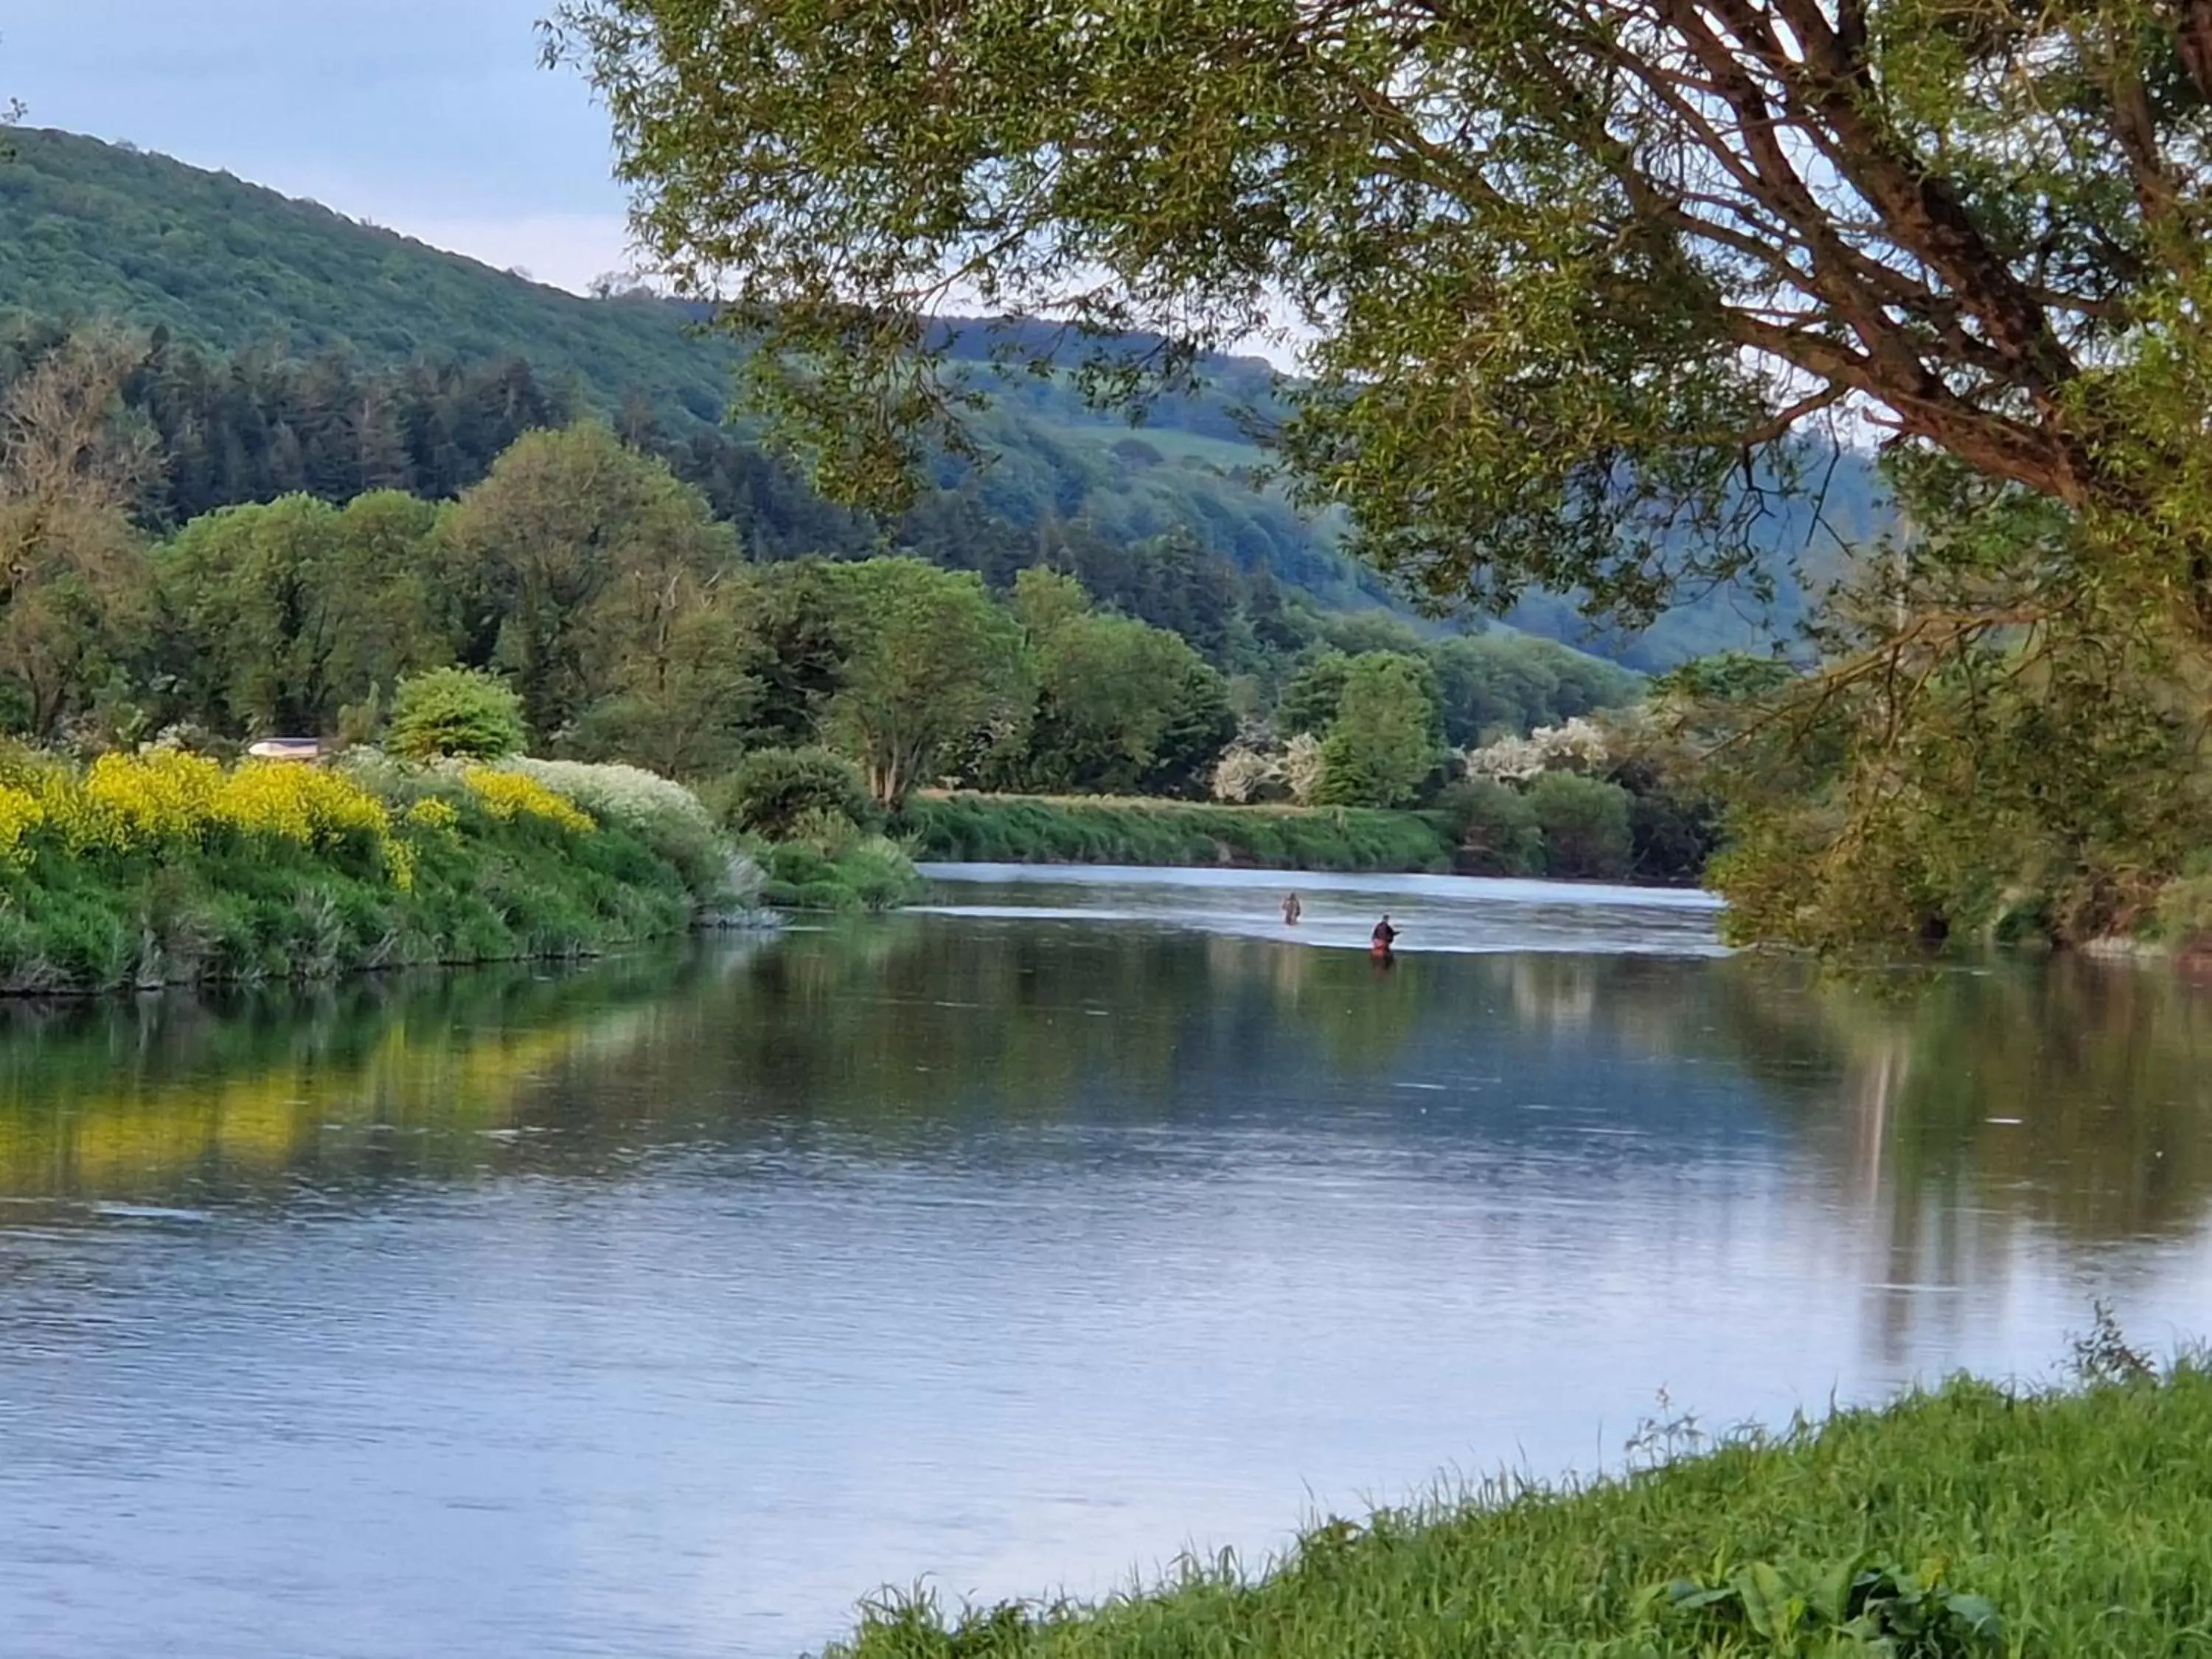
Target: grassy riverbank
{"x":1039,"y":830}
{"x":167,"y":868}
{"x":1970,"y":1520}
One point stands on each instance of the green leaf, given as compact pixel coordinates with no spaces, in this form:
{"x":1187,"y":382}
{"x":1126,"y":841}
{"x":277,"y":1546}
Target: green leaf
{"x":1833,"y":1597}
{"x":1688,"y":1595}
{"x":1979,"y":1613}
{"x":1765,"y":1599}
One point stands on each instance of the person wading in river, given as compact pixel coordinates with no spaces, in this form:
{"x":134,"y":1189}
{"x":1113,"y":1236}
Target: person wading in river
{"x":1291,"y":911}
{"x":1383,"y":938}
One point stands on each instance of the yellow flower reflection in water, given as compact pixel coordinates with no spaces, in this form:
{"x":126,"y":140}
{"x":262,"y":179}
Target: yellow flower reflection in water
{"x":122,"y":1130}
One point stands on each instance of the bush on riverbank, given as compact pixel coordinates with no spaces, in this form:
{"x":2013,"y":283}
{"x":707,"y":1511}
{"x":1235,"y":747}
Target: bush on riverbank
{"x":1565,"y":828}
{"x":1967,"y":1522}
{"x":865,"y":872}
{"x":1037,"y":830}
{"x":1610,"y":798}
{"x":771,"y":791}
{"x":167,"y":868}
{"x":807,"y":816}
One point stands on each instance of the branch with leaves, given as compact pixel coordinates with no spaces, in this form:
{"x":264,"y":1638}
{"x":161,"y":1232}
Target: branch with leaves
{"x":1571,"y":270}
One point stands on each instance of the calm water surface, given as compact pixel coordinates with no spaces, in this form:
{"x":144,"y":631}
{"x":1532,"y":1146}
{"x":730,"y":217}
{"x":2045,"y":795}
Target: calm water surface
{"x":668,"y":1307}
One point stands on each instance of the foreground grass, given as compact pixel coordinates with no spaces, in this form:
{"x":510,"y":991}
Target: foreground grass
{"x":1037,"y":829}
{"x":1968,"y":1521}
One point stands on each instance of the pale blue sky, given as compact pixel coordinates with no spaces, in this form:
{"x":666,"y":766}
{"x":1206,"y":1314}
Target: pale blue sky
{"x":431,"y":117}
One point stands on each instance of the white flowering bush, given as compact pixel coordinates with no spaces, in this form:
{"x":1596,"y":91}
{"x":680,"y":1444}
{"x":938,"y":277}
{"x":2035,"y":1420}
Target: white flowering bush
{"x":628,"y":794}
{"x":1245,"y":775}
{"x":674,"y":821}
{"x":1578,"y":745}
{"x":1253,"y":769}
{"x":1510,"y":760}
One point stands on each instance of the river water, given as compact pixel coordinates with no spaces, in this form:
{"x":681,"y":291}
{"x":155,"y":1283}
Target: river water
{"x":666,"y":1307}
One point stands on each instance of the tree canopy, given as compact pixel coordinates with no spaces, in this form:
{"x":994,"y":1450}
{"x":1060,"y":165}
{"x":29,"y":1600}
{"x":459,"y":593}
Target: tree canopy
{"x":1123,"y":708}
{"x":69,"y":470}
{"x":285,"y":613}
{"x":576,"y":547}
{"x":1385,"y":740}
{"x":932,"y":659}
{"x":1580,"y":272}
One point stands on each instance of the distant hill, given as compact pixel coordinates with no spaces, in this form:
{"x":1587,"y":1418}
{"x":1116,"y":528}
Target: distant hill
{"x":1809,"y":544}
{"x":90,"y":230}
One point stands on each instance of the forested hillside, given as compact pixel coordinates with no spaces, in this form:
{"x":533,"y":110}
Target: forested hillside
{"x":302,"y":306}
{"x":96,"y":230}
{"x":295,"y":349}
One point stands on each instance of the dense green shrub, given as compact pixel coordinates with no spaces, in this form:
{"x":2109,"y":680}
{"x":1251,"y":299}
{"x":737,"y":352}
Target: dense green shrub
{"x":1586,"y":823}
{"x":456,"y":712}
{"x":855,"y":872}
{"x":1386,"y":741}
{"x":1674,"y":837}
{"x":880,"y":874}
{"x":1495,"y":828}
{"x":771,"y":790}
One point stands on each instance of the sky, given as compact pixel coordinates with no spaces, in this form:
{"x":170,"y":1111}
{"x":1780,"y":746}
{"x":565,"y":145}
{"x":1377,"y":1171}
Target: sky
{"x":430,"y":117}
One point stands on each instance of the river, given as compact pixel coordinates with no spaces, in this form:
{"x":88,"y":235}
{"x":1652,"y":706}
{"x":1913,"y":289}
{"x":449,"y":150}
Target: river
{"x":667,"y":1306}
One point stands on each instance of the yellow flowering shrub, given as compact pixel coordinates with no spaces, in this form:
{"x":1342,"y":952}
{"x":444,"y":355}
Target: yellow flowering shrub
{"x":128,"y":801}
{"x":141,"y":803}
{"x":433,"y":814}
{"x":506,"y":795}
{"x":302,"y":804}
{"x":22,"y":813}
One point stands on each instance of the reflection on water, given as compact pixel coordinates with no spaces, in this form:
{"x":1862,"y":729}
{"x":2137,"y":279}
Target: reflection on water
{"x":669,"y":1306}
{"x":254,"y":1091}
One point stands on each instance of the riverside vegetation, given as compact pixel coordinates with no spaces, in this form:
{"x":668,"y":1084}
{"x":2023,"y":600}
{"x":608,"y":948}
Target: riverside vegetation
{"x":166,"y":867}
{"x":1973,"y":1520}
{"x":215,"y":539}
{"x":630,"y":627}
{"x":1016,"y":830}
{"x":160,"y":866}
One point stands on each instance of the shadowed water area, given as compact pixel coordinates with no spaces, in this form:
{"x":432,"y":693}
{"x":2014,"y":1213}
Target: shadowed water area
{"x":668,"y":1306}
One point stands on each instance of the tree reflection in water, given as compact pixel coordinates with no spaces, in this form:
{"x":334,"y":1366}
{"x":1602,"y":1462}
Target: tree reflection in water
{"x":1954,"y":1117}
